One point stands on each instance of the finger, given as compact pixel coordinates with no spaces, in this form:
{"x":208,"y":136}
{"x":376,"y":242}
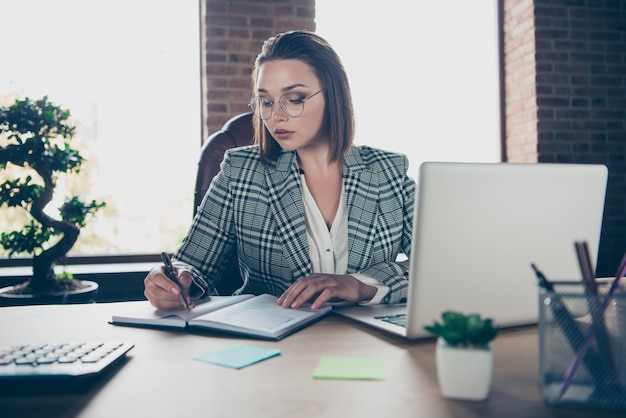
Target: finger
{"x":160,"y":279}
{"x":290,"y":295}
{"x":326,"y":288}
{"x":326,"y":295}
{"x":160,"y":291}
{"x":310,"y":290}
{"x":308,"y":294}
{"x":161,"y":299}
{"x":184,"y":278}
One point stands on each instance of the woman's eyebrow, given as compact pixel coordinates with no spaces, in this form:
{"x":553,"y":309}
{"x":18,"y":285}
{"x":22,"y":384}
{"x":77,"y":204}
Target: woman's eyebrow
{"x":284,"y":89}
{"x":293,"y":86}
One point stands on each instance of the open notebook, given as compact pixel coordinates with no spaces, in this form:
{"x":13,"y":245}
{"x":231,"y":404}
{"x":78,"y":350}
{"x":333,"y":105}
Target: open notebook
{"x":245,"y":315}
{"x":477,"y":229}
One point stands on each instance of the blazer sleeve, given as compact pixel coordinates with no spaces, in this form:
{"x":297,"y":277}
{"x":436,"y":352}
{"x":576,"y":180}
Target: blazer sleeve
{"x":210,"y":237}
{"x":395,"y":274}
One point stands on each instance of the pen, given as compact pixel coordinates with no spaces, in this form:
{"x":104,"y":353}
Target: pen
{"x":569,"y":327}
{"x":584,"y":261}
{"x":569,"y":375}
{"x":562,"y":315}
{"x":171,"y":274}
{"x":597,"y":318}
{"x":543,"y":282}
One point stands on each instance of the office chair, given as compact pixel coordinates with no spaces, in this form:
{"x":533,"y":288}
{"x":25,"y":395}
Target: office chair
{"x":236,"y":132}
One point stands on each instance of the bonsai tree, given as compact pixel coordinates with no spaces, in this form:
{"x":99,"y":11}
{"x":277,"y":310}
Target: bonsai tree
{"x":459,"y":330}
{"x":36,"y":135}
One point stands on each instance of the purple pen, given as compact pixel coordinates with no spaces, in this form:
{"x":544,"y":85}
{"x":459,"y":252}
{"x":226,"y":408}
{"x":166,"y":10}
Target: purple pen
{"x":569,"y":374}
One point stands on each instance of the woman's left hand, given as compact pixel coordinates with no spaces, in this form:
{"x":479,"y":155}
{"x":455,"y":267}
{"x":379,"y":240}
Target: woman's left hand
{"x":320,"y":288}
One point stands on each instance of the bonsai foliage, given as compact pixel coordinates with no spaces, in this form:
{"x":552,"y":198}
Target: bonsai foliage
{"x":459,"y":330}
{"x":36,"y":135}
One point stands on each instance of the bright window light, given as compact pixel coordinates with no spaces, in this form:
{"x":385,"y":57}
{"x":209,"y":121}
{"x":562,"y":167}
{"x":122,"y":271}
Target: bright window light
{"x":129,"y":73}
{"x":424,"y":75}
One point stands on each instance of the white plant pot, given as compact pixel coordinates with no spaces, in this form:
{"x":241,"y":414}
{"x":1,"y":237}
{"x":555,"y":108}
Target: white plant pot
{"x":464,"y":373}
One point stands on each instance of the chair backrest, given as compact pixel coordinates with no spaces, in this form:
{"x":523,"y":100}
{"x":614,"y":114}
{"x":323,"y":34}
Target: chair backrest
{"x":237,"y":132}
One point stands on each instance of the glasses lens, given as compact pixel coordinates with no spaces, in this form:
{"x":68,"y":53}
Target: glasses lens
{"x":261,"y":107}
{"x":292,"y":104}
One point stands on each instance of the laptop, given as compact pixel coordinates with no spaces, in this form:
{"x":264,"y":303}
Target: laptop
{"x":477,"y":229}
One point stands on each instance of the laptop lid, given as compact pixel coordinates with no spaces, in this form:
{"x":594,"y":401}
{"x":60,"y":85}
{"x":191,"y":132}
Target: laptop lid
{"x":477,"y":229}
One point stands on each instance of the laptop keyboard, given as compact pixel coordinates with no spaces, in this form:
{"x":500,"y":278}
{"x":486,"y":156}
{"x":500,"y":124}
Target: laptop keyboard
{"x":59,"y":360}
{"x":397,"y":319}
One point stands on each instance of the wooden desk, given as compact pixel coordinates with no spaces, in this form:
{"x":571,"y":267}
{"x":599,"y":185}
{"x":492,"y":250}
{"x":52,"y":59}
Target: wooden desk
{"x":160,"y":378}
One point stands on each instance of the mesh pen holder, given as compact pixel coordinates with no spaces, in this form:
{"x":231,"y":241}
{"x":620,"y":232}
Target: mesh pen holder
{"x":566,"y":316}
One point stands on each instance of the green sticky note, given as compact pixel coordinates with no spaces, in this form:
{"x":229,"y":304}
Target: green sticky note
{"x":352,"y":368}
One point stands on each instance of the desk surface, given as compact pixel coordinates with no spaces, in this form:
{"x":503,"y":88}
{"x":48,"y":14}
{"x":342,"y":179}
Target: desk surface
{"x":160,"y":378}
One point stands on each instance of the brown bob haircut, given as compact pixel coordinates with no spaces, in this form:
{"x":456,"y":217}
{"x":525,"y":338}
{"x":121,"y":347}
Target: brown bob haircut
{"x":317,"y":53}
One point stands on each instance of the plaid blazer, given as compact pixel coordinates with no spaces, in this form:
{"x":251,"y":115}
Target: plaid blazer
{"x":258,"y":208}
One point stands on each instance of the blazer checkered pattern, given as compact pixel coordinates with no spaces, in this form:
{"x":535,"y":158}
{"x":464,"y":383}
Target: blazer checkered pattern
{"x":259,"y":209}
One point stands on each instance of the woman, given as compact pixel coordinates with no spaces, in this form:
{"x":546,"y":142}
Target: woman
{"x":313,"y":217}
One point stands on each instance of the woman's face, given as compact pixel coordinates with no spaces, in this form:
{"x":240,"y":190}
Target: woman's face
{"x":279,"y":77}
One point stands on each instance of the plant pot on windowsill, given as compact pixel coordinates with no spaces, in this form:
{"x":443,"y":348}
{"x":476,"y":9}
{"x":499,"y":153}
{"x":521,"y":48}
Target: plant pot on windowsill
{"x":464,"y":356}
{"x":79,"y":291}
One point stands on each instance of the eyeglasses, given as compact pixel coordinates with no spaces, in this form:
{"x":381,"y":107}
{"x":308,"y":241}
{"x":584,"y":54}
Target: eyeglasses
{"x":292,"y":105}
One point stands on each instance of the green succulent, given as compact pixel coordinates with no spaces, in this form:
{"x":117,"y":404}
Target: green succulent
{"x":459,"y":330}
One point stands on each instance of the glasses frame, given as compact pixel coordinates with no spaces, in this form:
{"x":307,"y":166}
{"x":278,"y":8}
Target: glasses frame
{"x":257,"y":110}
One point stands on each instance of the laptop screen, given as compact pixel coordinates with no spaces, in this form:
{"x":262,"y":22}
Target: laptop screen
{"x":479,"y":226}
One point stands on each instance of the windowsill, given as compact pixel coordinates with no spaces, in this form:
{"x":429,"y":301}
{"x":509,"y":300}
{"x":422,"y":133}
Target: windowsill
{"x":116,"y":281}
{"x":81,"y":269}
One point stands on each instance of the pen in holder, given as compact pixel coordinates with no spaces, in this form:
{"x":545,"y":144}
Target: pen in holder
{"x":579,"y":366}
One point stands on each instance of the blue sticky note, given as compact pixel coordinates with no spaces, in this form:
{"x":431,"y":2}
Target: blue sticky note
{"x":237,"y":356}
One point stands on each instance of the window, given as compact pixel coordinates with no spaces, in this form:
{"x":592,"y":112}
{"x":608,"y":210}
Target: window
{"x":129,"y":73}
{"x":424,"y":75}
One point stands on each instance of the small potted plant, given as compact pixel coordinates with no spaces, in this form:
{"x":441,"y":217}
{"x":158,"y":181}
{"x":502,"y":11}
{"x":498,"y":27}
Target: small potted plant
{"x":464,"y":356}
{"x":35,"y":140}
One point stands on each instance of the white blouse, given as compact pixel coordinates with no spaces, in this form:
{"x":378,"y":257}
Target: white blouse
{"x":329,"y":248}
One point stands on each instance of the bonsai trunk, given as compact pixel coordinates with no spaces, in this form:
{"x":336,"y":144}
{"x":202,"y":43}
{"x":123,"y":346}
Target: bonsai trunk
{"x":44,"y":279}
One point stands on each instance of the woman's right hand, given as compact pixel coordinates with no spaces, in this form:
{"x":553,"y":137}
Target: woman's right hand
{"x":164,"y":293}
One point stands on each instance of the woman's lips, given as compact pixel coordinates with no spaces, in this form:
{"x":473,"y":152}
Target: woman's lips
{"x":282,"y":134}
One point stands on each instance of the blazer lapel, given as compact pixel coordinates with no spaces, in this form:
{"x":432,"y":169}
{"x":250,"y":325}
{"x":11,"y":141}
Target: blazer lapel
{"x":361,"y":187}
{"x":285,"y":196}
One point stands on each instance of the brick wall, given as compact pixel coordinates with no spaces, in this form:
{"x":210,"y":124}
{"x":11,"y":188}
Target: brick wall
{"x":232,"y":33}
{"x":519,"y":79}
{"x":565,"y":67}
